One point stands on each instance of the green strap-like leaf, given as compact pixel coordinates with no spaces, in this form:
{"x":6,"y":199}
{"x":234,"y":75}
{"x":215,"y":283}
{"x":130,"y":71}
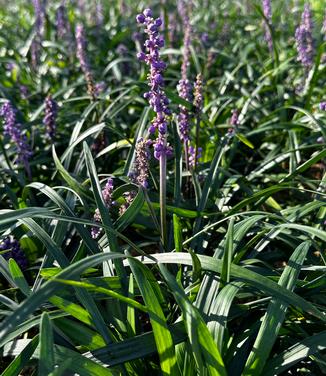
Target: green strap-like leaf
{"x":162,"y":335}
{"x":46,"y":359}
{"x":21,"y":360}
{"x":18,"y":277}
{"x":275,"y":314}
{"x":204,"y":348}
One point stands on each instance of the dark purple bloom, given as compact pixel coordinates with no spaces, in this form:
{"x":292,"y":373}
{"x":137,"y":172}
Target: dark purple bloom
{"x":304,"y":39}
{"x":267,"y":9}
{"x":107,"y":198}
{"x":84,"y":64}
{"x":14,"y":251}
{"x":14,"y":131}
{"x":156,"y":96}
{"x":49,"y":120}
{"x":322,"y":106}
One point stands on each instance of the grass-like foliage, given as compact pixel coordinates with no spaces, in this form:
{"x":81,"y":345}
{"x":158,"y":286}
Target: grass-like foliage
{"x":162,"y":188}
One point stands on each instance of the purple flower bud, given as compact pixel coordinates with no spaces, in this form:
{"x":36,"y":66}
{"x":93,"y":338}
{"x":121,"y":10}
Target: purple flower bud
{"x":141,"y":56}
{"x":322,"y":106}
{"x":158,"y":79}
{"x":158,"y":22}
{"x":148,"y":13}
{"x":153,"y":28}
{"x":140,"y":18}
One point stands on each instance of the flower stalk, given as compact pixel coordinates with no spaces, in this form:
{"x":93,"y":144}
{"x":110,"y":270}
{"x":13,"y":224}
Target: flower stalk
{"x":159,"y":103}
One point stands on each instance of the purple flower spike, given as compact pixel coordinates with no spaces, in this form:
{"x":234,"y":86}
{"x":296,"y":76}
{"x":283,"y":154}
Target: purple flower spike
{"x":14,"y":251}
{"x":184,"y":86}
{"x":193,"y":158}
{"x":62,"y":24}
{"x":40,"y":16}
{"x":49,"y":120}
{"x":107,"y":197}
{"x":84,"y":64}
{"x":267,"y":9}
{"x":140,"y":172}
{"x":304,"y":40}
{"x":156,"y":96}
{"x":99,"y":16}
{"x":195,"y":153}
{"x":322,"y":106}
{"x":198,"y":93}
{"x":14,"y":131}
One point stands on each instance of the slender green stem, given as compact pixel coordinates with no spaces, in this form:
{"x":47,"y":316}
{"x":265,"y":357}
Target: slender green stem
{"x":163,"y":200}
{"x":197,"y":140}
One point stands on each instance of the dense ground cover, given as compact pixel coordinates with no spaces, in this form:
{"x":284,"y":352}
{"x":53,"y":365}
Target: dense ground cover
{"x":162,"y":188}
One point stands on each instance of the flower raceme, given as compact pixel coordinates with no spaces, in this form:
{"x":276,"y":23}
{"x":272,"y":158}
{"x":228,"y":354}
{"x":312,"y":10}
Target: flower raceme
{"x":107,"y":198}
{"x":14,"y":130}
{"x":82,"y":57}
{"x":184,"y":86}
{"x":139,"y":173}
{"x":267,"y":9}
{"x":155,"y":96}
{"x":304,"y":39}
{"x":49,"y":120}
